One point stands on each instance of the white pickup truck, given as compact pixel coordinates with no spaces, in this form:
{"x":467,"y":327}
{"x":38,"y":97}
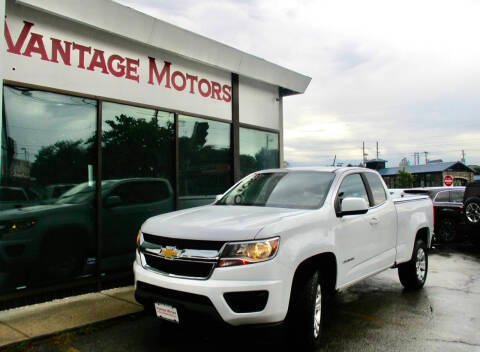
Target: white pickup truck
{"x":276,"y":244}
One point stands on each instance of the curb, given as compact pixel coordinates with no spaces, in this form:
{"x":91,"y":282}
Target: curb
{"x":68,"y":335}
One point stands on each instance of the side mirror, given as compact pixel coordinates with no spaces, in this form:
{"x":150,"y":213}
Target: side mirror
{"x":112,"y":201}
{"x":218,"y":197}
{"x":353,"y":206}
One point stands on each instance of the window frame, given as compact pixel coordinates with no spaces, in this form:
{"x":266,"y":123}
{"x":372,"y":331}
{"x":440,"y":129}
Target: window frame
{"x":370,"y":192}
{"x":367,"y":189}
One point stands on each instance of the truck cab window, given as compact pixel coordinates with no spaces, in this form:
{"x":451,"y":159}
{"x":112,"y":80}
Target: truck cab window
{"x":352,"y":186}
{"x":443,"y":197}
{"x":376,"y":185}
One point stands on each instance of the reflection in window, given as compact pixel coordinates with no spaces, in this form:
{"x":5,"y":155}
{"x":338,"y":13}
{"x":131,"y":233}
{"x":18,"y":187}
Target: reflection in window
{"x":258,"y":151}
{"x":352,"y":186}
{"x":297,"y":190}
{"x":48,"y":147}
{"x":443,"y":197}
{"x":457,"y":196}
{"x":205,"y":156}
{"x":378,"y":191}
{"x":136,"y":142}
{"x":137,"y":154}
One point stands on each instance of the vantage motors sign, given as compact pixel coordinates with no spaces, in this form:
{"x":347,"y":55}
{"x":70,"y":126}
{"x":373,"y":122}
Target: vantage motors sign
{"x":137,"y":74}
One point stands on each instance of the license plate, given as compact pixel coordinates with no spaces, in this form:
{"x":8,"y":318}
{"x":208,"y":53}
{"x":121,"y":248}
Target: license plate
{"x":167,"y":312}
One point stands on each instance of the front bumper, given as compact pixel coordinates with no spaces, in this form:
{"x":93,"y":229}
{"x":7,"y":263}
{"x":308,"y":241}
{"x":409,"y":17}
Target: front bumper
{"x":207,"y":296}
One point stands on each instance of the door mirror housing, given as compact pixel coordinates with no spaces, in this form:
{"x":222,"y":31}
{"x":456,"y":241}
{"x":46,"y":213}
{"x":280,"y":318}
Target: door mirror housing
{"x":353,"y":206}
{"x":112,"y":201}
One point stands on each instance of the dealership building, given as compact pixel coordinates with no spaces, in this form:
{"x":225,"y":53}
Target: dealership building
{"x":110,"y":116}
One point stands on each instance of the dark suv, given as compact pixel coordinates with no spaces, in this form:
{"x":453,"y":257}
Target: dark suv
{"x":471,"y":202}
{"x":449,"y":211}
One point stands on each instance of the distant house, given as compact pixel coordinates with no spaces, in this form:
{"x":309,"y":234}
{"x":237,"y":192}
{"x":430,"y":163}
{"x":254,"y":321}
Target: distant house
{"x":427,"y":175}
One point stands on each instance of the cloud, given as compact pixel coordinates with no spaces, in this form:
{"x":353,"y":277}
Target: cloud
{"x":404,"y":74}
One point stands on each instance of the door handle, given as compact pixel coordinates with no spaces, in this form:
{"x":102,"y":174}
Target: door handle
{"x":374,"y":221}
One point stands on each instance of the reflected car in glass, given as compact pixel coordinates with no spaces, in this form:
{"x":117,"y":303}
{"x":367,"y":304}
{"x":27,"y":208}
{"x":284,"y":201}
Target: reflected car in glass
{"x":53,"y":241}
{"x":15,"y":197}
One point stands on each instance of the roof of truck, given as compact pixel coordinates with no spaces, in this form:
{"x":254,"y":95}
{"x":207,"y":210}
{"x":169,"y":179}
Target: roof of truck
{"x":318,"y":169}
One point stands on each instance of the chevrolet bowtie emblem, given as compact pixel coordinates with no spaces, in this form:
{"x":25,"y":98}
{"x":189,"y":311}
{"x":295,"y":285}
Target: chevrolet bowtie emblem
{"x":170,"y":252}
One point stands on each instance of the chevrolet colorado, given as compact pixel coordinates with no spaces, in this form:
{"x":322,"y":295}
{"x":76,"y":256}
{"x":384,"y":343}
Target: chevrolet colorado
{"x":276,"y":244}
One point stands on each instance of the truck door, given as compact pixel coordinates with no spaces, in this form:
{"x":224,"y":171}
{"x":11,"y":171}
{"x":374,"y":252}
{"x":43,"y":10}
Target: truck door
{"x":382,"y":219}
{"x":136,"y":201}
{"x":352,"y":232}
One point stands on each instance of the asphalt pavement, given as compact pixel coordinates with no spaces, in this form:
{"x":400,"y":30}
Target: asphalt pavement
{"x":374,"y":315}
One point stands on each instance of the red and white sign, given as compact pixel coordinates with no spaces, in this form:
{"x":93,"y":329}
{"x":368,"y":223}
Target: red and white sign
{"x":83,"y":57}
{"x":448,"y":181}
{"x":46,"y":51}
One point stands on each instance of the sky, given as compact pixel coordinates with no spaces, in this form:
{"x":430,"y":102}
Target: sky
{"x":403,"y":73}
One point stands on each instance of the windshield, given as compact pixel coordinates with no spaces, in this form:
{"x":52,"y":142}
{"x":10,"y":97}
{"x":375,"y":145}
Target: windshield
{"x":84,"y":192}
{"x":81,"y":193}
{"x":298,"y":190}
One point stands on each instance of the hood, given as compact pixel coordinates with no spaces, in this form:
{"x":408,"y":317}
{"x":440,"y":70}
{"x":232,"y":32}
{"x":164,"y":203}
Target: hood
{"x":36,"y":210}
{"x":216,"y":222}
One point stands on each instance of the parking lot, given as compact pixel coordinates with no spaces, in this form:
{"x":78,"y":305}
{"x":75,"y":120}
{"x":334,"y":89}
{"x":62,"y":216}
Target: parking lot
{"x":374,"y":315}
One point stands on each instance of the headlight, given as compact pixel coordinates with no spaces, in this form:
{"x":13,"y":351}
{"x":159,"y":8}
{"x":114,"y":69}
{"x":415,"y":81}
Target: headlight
{"x":15,"y":226}
{"x":139,"y":239}
{"x":240,"y":253}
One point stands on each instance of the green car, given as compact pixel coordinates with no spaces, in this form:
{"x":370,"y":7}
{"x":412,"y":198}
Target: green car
{"x":57,"y":241}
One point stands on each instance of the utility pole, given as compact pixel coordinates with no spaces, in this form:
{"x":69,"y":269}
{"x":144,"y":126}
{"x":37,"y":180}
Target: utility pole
{"x":426,"y":157}
{"x":463,"y":156}
{"x":377,"y":150}
{"x":364,"y":155}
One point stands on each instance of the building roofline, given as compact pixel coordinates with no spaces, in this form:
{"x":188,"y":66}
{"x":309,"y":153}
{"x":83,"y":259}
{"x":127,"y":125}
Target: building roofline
{"x":422,"y":169}
{"x":154,"y":32}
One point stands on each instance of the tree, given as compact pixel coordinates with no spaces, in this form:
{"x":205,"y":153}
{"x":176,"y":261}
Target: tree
{"x":135,"y":147}
{"x":62,"y":162}
{"x":404,"y":179}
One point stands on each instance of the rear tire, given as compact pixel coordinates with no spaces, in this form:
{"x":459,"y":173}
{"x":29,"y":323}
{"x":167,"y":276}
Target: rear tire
{"x":307,"y":309}
{"x":472,"y":211}
{"x":413,"y":273}
{"x":446,"y":230}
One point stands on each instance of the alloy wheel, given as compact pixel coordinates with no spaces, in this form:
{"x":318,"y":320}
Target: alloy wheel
{"x":473,"y":212}
{"x":421,"y":264}
{"x":318,"y":312}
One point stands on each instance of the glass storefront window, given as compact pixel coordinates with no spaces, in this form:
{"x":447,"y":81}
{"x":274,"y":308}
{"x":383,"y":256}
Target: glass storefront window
{"x":258,"y":150}
{"x":205,"y":157}
{"x":48,"y":151}
{"x":137,"y":154}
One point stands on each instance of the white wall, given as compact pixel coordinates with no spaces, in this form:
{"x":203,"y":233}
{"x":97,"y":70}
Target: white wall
{"x":34,"y":70}
{"x":259,"y":103}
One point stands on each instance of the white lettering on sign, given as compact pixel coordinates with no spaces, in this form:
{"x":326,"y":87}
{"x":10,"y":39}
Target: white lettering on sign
{"x":448,"y":181}
{"x":85,"y":57}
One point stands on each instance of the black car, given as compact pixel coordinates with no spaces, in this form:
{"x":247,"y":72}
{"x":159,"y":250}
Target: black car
{"x":449,"y":210}
{"x":471,"y":202}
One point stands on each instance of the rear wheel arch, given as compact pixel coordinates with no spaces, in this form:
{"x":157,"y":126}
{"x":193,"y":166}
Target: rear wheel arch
{"x":424,"y":235}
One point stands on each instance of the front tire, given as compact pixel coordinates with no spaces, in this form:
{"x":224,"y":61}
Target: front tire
{"x":413,"y":273}
{"x":307,"y":309}
{"x":63,"y":256}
